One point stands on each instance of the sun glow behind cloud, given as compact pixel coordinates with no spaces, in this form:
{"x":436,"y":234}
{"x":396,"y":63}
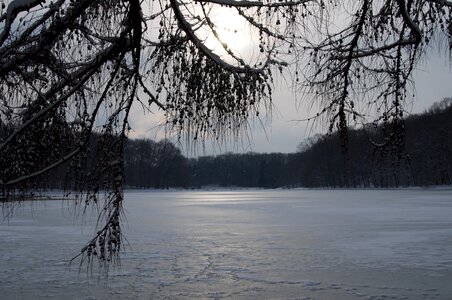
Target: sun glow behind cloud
{"x":231,"y":29}
{"x":229,"y":32}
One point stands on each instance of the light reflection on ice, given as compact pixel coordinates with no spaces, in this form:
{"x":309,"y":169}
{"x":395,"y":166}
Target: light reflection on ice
{"x":301,"y":244}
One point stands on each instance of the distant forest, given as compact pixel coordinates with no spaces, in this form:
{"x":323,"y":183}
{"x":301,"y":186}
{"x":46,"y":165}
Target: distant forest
{"x":321,"y":161}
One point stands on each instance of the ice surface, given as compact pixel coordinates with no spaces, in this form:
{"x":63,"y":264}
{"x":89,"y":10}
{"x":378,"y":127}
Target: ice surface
{"x":285,"y":244}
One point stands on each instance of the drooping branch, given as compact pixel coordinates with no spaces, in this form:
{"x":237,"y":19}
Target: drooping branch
{"x":82,"y":75}
{"x":81,"y":145}
{"x":187,"y":27}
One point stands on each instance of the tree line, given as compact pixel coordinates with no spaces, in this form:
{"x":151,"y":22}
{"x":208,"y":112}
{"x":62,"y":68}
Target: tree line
{"x":426,"y":158}
{"x":320,"y":161}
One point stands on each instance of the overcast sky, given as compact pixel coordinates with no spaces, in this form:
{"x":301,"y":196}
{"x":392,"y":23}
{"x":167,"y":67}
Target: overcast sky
{"x":284,"y":133}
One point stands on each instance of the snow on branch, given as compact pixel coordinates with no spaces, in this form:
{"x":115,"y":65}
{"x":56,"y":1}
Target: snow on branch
{"x":80,"y":76}
{"x":239,"y":3}
{"x":187,"y":27}
{"x":14,"y":8}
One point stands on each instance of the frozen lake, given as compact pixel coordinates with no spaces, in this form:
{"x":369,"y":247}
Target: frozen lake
{"x":285,"y":244}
